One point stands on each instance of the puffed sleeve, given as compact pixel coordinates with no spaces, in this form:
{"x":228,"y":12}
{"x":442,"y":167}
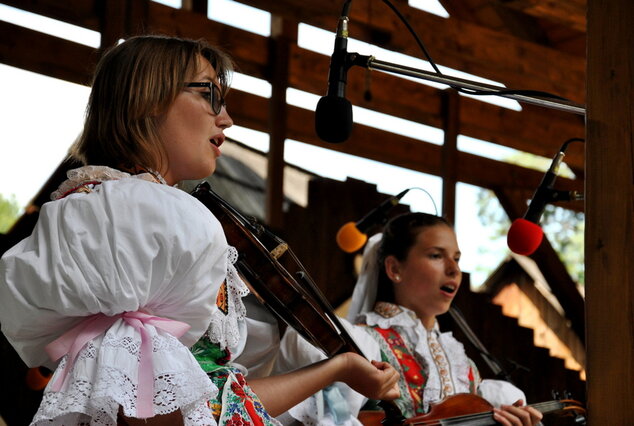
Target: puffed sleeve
{"x":129,"y":245}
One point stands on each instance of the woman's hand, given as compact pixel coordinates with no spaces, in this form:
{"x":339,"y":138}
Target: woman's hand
{"x":375,"y":380}
{"x":517,"y":415}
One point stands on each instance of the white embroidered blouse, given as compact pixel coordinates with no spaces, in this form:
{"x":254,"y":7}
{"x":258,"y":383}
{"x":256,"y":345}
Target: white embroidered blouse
{"x":117,"y":243}
{"x":319,"y":410}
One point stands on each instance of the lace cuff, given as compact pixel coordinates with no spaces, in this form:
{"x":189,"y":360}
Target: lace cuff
{"x":224,"y":328}
{"x":104,"y":377}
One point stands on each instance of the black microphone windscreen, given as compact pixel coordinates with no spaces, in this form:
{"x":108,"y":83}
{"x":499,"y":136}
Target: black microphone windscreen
{"x":333,"y":119}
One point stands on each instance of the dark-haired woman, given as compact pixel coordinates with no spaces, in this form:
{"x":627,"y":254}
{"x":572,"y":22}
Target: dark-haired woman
{"x":410,"y":275}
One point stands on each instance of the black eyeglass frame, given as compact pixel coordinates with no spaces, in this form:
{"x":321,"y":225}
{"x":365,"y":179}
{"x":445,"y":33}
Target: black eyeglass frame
{"x":216,"y":101}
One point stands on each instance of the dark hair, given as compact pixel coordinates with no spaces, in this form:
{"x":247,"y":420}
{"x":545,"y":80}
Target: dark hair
{"x":399,"y":236}
{"x":134,"y":84}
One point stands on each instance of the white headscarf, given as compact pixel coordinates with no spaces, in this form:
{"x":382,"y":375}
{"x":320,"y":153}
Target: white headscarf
{"x":364,"y":294}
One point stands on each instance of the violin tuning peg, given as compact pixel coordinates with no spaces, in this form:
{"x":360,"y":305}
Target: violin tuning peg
{"x":555,"y":394}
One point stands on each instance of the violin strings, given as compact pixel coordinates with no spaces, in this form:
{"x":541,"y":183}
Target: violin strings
{"x":547,"y":406}
{"x":471,"y":418}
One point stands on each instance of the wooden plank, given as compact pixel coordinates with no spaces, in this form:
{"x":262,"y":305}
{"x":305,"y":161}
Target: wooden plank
{"x":45,"y":54}
{"x":609,"y":244}
{"x":571,"y":13}
{"x":457,"y":44}
{"x":535,"y":130}
{"x":77,"y":12}
{"x":375,"y":144}
{"x":250,"y":49}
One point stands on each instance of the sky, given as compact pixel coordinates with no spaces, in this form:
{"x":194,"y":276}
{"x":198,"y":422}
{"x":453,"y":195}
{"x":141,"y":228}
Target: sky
{"x":41,"y":116}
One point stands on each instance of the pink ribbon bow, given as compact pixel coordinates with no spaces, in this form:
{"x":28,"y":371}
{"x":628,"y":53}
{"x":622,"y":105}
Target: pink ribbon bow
{"x":75,"y":339}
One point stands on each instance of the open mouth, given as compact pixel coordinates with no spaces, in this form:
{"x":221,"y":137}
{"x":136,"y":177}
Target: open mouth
{"x":217,"y":141}
{"x":448,"y":288}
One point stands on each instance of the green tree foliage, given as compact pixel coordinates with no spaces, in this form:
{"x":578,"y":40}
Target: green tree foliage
{"x":9,"y":212}
{"x":563,"y":228}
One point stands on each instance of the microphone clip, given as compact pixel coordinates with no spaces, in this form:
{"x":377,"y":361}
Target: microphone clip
{"x":555,"y":195}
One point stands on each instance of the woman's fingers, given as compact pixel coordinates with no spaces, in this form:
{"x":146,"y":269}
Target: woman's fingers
{"x":376,"y":380}
{"x":517,"y":415}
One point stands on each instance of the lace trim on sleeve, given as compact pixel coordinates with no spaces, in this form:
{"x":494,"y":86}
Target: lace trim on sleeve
{"x":84,"y":179}
{"x":104,"y":377}
{"x":225,"y":324}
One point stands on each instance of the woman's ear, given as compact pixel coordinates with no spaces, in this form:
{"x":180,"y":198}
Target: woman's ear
{"x":392,"y":269}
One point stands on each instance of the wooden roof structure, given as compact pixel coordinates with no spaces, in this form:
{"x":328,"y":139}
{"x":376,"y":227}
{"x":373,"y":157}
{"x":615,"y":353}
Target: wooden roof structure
{"x":578,"y":49}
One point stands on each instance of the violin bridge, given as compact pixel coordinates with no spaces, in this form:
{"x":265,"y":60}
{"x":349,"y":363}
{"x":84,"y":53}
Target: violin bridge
{"x":278,"y":251}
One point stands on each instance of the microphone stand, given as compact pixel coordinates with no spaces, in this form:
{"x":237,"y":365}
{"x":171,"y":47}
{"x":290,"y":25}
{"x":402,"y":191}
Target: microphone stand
{"x":490,"y":360}
{"x":371,"y":63}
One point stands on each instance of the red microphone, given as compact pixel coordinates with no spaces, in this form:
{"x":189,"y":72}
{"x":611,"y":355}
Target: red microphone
{"x":525,"y":234}
{"x":352,"y":236}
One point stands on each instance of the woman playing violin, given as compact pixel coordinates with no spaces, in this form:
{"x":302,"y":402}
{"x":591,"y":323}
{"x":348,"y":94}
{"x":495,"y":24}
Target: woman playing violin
{"x":410,"y":275}
{"x":124,"y":273}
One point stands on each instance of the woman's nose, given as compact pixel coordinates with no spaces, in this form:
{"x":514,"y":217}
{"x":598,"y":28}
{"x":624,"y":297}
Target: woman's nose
{"x":453,"y":268}
{"x":223,"y":120}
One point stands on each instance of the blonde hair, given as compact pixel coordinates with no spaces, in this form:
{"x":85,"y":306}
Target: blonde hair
{"x":134,"y":84}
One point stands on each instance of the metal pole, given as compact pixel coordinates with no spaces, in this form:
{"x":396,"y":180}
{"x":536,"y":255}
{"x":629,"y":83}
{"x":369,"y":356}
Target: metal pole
{"x":372,"y":63}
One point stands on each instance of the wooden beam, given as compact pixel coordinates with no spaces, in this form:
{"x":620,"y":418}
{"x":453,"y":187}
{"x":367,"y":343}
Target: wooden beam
{"x":451,"y":127}
{"x":197,"y":6}
{"x":121,"y":19}
{"x":283,"y":34}
{"x":73,"y":62}
{"x":249,"y":49}
{"x":81,"y":13}
{"x":571,"y":13}
{"x":374,"y":144}
{"x":45,"y":54}
{"x":536,"y":130}
{"x":490,"y":14}
{"x":457,"y":44}
{"x":609,"y":244}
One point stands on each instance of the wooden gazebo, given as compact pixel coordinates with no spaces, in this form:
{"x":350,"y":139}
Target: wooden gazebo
{"x":582,"y":50}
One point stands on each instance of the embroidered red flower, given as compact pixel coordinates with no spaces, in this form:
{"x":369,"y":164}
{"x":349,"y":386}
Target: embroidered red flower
{"x":236,"y":420}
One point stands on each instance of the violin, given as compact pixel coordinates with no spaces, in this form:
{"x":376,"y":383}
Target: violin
{"x":470,"y":409}
{"x":280,"y":282}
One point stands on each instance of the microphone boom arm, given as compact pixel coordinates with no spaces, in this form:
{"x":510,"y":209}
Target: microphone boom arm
{"x":371,"y":63}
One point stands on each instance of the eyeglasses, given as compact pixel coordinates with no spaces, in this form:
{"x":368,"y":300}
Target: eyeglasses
{"x":215,"y":95}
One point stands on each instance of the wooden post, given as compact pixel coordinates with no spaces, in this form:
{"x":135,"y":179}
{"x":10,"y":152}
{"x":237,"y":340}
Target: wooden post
{"x":283,"y":34}
{"x":121,"y":18}
{"x":609,"y":242}
{"x":451,"y":126}
{"x":196,"y":6}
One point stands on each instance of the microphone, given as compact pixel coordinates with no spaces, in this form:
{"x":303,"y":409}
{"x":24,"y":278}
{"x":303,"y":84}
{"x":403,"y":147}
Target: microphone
{"x":333,"y":115}
{"x":352,"y":236}
{"x":525,"y":234}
